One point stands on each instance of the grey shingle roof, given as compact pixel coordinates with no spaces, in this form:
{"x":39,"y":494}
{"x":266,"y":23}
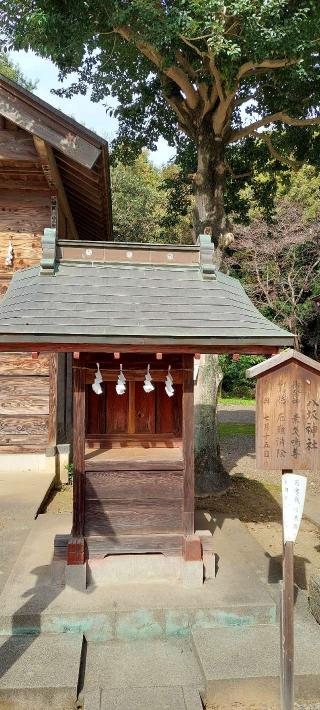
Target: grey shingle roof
{"x":105,"y":303}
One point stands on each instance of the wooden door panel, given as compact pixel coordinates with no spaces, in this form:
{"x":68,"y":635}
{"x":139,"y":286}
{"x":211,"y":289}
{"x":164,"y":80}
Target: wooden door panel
{"x":168,"y":410}
{"x":117,"y":413}
{"x":95,"y":411}
{"x":144,"y":410}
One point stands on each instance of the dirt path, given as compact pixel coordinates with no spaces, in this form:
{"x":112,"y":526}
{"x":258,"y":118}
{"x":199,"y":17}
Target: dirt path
{"x":238,"y":450}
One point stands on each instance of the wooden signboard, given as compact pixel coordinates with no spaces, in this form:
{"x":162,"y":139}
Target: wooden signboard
{"x":288,"y":439}
{"x":288,"y":412}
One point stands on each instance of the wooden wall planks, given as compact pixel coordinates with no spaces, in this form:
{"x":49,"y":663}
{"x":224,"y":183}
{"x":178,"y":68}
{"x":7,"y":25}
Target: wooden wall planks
{"x":129,"y":485}
{"x":24,"y":403}
{"x":22,"y":364}
{"x":106,"y":518}
{"x":24,"y":383}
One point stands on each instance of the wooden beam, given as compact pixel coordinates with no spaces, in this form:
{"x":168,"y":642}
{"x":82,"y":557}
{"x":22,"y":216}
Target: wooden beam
{"x":17,"y":146}
{"x":38,"y":121}
{"x":45,"y":152}
{"x":63,"y":347}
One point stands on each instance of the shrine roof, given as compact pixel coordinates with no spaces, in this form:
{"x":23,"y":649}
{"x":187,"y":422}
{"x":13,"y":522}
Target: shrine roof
{"x":166,"y":294}
{"x":282,"y":359}
{"x":41,"y":143}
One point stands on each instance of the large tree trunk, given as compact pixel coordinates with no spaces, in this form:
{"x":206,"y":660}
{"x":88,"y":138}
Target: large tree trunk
{"x":210,"y":475}
{"x":209,"y":216}
{"x":209,"y":188}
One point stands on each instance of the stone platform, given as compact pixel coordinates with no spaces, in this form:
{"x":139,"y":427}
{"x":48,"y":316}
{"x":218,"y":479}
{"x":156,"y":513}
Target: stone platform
{"x":35,"y":598}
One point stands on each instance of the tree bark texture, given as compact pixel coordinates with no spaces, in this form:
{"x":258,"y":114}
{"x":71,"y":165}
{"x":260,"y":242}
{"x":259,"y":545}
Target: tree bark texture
{"x":209,"y":188}
{"x":210,"y":476}
{"x":209,"y":214}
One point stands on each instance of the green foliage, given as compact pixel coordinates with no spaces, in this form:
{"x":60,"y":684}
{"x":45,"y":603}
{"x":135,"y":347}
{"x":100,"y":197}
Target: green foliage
{"x":303,"y":188}
{"x":70,"y":468}
{"x":278,"y":262}
{"x":12,"y":71}
{"x":159,"y":59}
{"x":234,"y":381}
{"x":146,"y":205}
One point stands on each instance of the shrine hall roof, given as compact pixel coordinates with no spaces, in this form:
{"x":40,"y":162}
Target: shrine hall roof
{"x":114,"y":302}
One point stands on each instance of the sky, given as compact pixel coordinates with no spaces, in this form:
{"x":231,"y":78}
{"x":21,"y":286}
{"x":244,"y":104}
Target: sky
{"x":79,"y":107}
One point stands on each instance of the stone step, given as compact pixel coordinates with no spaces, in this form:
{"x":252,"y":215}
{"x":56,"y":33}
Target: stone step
{"x":244,"y":663}
{"x":40,"y":672}
{"x":160,"y":698}
{"x":161,"y":675}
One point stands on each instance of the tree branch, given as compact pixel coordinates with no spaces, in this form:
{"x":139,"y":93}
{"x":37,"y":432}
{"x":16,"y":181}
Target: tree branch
{"x":294,"y":164}
{"x":191,"y":45}
{"x":217,"y":78}
{"x":234,"y":175}
{"x":272,"y":118}
{"x":266,"y":65}
{"x":183,"y":61}
{"x":173,"y":72}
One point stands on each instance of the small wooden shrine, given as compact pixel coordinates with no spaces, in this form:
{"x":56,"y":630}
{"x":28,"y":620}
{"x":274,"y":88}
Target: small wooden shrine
{"x":141,"y":312}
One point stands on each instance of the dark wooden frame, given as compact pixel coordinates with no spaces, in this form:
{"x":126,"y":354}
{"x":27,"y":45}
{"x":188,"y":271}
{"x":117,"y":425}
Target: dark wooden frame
{"x":76,"y":547}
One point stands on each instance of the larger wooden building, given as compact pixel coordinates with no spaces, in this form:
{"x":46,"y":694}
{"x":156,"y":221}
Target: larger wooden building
{"x":54,"y":173}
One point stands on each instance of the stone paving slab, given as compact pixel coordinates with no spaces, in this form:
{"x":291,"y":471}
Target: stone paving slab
{"x":144,"y":698}
{"x":243,"y":663}
{"x":142,"y":664}
{"x":40,"y":671}
{"x":21,"y":494}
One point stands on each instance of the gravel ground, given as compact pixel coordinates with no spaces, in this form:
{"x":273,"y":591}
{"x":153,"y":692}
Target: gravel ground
{"x":238,"y":451}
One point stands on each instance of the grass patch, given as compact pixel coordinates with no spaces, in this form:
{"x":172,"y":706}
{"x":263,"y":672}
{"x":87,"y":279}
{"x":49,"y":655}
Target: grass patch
{"x":237,"y":400}
{"x":233,"y":429}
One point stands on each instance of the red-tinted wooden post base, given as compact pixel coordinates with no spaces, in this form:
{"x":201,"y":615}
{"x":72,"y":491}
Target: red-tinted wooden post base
{"x":192,"y":549}
{"x":76,"y":551}
{"x":192,"y":570}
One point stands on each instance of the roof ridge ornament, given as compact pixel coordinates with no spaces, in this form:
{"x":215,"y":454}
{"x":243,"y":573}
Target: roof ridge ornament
{"x":208,"y":268}
{"x":47,"y":263}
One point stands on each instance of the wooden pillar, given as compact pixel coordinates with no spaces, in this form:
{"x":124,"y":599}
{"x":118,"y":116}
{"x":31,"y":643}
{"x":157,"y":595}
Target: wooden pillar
{"x":52,"y":421}
{"x":76,"y":544}
{"x":192,"y":548}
